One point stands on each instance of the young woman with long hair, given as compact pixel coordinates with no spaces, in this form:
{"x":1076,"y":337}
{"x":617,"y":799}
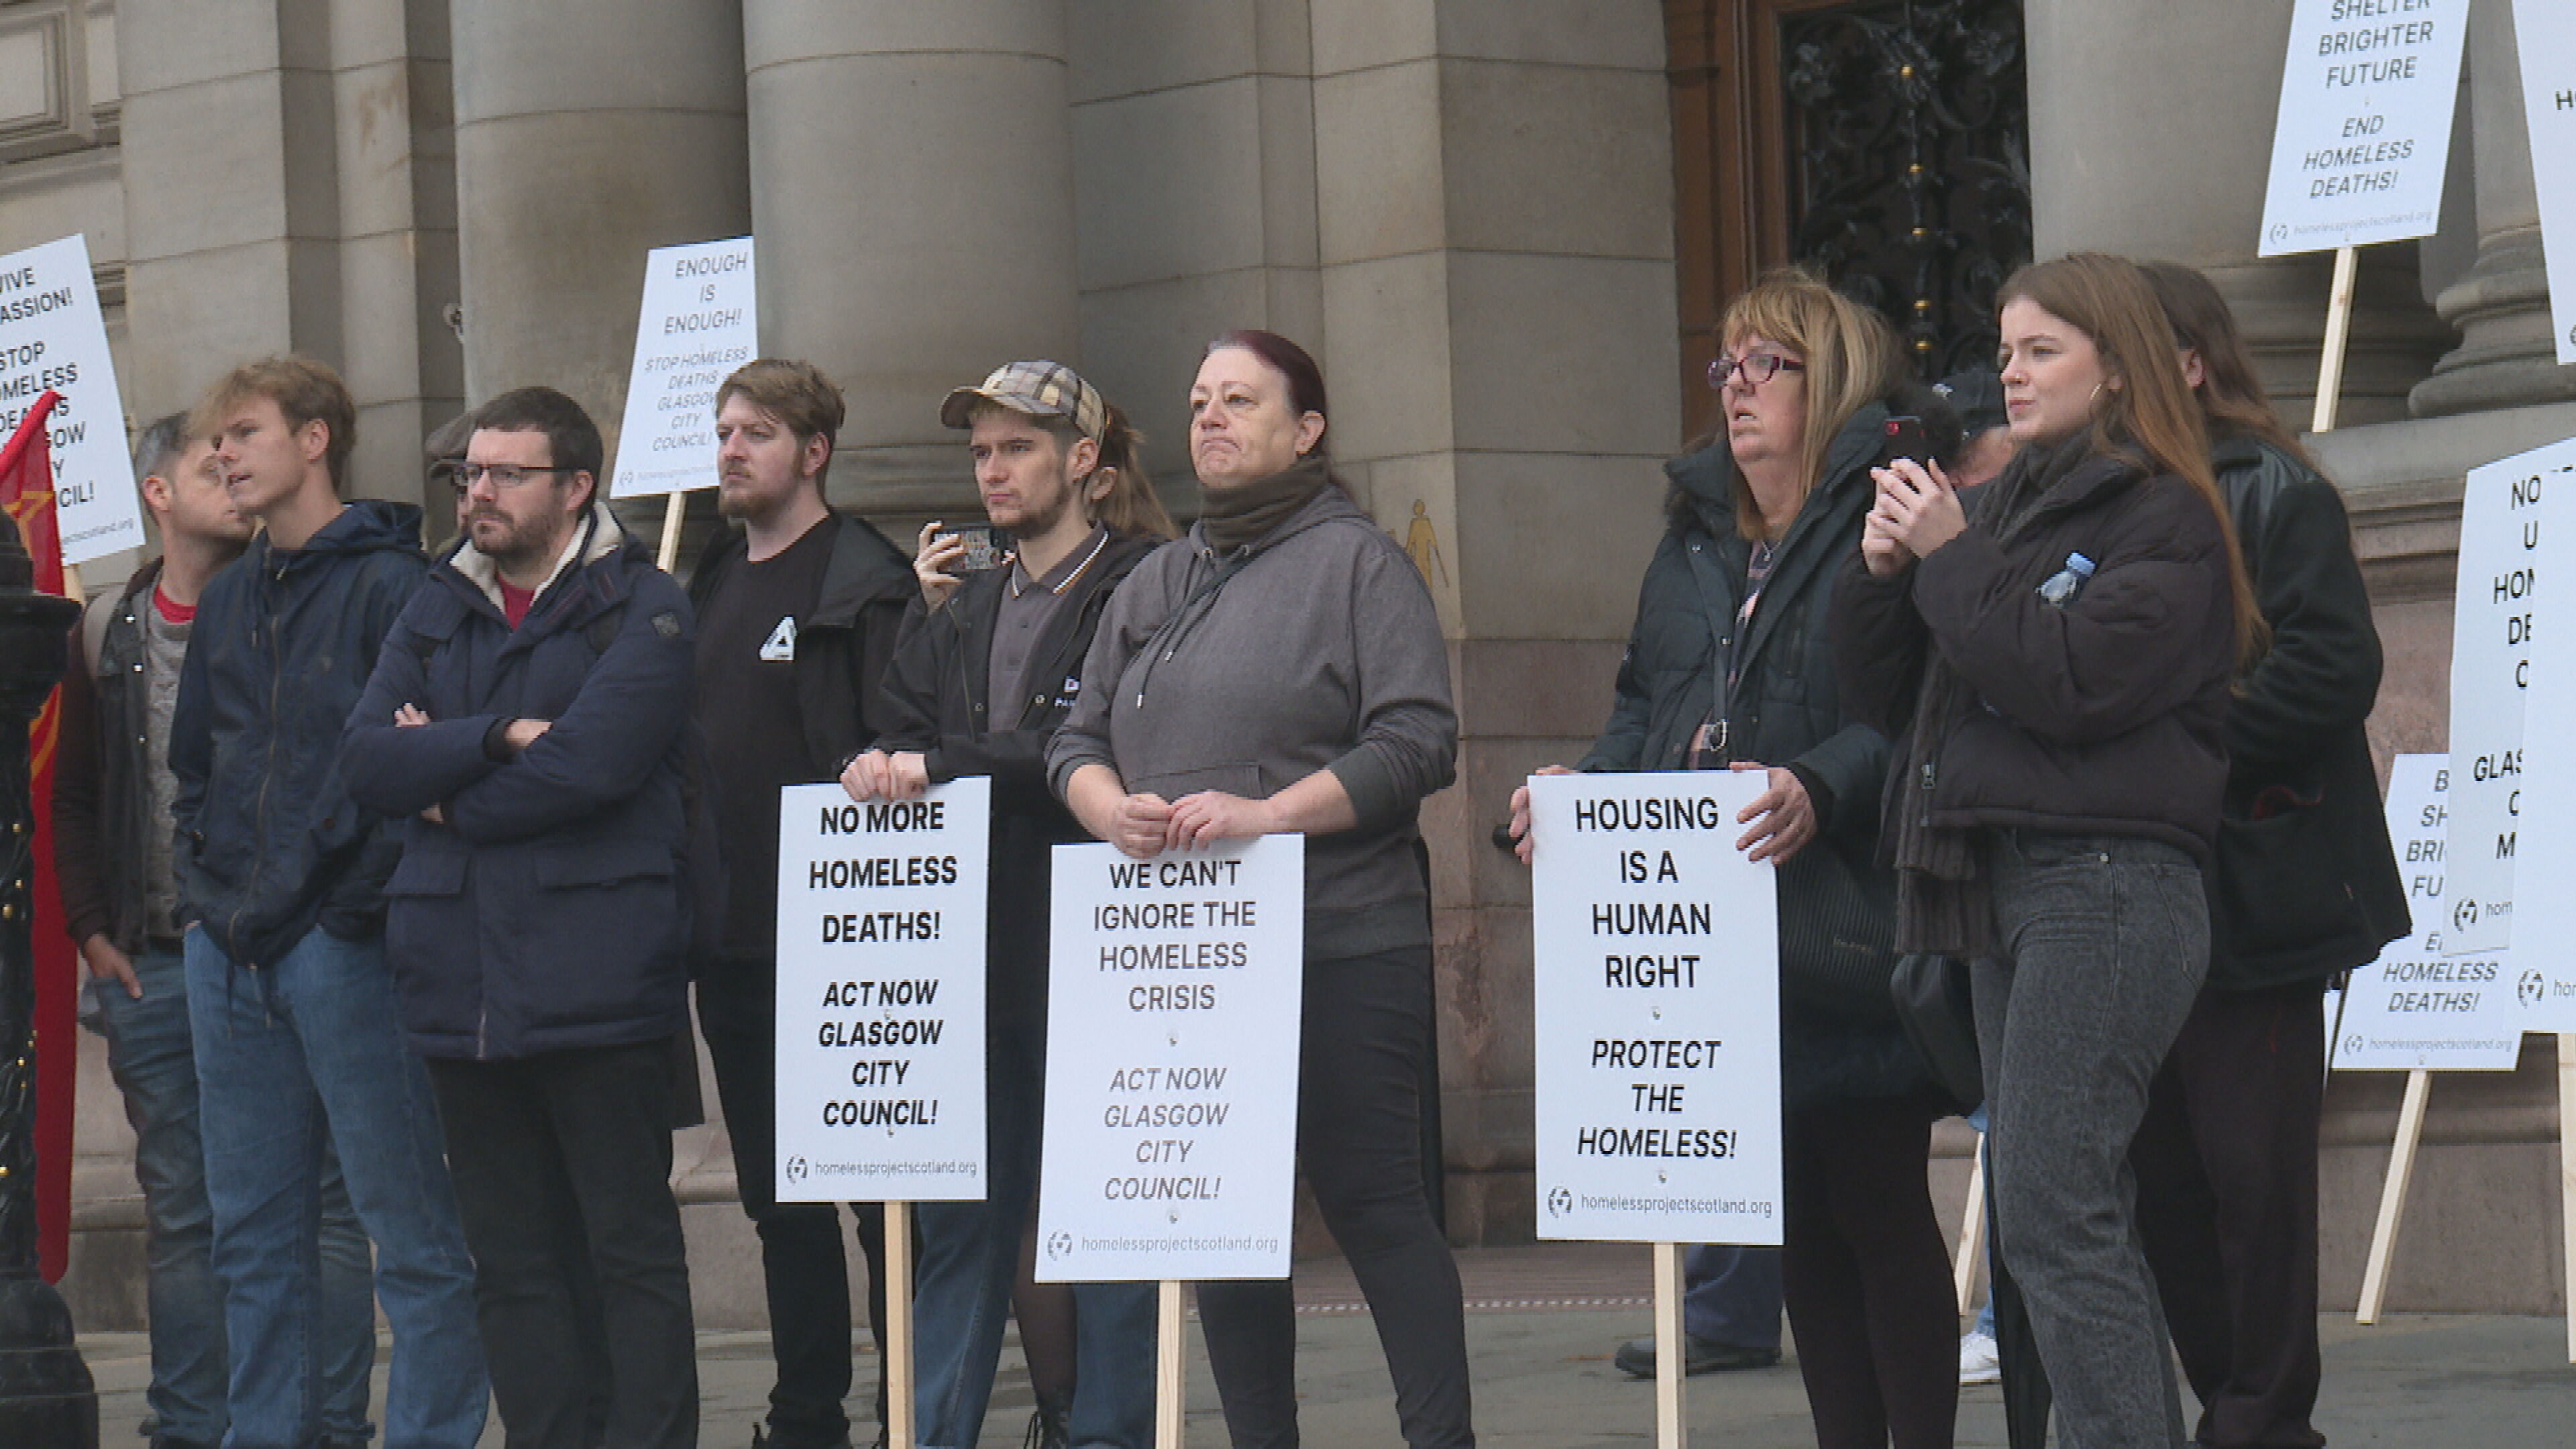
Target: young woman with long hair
{"x":2054,"y":660}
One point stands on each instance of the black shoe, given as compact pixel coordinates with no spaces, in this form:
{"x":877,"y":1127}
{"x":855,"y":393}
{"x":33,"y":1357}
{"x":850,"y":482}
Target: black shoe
{"x":762,"y":1440}
{"x":1047,"y":1430}
{"x":1636,"y":1357}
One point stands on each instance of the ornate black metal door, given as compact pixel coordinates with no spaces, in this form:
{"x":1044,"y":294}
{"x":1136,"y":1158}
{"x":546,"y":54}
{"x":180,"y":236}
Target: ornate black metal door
{"x":1908,"y":166}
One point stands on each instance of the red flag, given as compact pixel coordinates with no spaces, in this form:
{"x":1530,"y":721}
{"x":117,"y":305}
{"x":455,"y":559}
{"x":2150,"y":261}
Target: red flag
{"x":27,"y":493}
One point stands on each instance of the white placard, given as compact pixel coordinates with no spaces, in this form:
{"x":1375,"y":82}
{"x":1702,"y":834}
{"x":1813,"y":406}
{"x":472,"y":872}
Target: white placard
{"x":2504,"y":544}
{"x":52,"y":336}
{"x":701,"y":320}
{"x":2545,"y":33}
{"x":2544,"y":915}
{"x":2413,"y":1008}
{"x":880,"y":1080}
{"x":2364,"y":129}
{"x":1658,"y":1010}
{"x":1174,"y":998}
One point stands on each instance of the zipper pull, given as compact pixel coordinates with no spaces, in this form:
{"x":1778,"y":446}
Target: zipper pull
{"x":1929,"y":768}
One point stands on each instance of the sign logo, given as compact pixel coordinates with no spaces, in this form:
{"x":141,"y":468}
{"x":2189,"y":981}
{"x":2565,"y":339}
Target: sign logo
{"x":2352,"y":1045}
{"x":2464,"y":915}
{"x":2530,"y":988}
{"x":796,"y":1170}
{"x":1559,"y":1202}
{"x":1059,"y":1245}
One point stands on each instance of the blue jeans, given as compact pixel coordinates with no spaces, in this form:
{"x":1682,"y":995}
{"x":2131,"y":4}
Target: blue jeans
{"x":1731,"y":1295}
{"x":970,"y":1253}
{"x":153,"y":1058}
{"x":291,"y":1059}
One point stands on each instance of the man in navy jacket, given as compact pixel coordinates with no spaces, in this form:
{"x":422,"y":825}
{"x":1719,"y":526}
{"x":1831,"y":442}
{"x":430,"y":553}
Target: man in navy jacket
{"x":281,"y":880}
{"x":526,"y":724}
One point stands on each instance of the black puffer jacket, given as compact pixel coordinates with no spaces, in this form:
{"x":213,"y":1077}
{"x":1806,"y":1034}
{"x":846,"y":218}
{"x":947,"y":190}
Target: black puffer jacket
{"x":270,"y":843}
{"x":2101,"y":717}
{"x":1786,"y":711}
{"x":2307,"y":884}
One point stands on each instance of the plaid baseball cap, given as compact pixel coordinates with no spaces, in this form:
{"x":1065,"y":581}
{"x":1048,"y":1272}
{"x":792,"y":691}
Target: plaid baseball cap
{"x":1040,"y":389}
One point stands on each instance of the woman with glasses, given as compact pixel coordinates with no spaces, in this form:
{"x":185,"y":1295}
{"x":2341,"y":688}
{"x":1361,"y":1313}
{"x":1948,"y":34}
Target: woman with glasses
{"x":2054,"y":659}
{"x":1729,"y":668}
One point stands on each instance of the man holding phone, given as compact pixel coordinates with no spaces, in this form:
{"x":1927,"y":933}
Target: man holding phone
{"x":797,"y":614}
{"x":985,"y":672}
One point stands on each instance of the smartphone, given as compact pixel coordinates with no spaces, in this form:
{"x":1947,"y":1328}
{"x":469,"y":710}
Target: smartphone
{"x":1903,"y":437}
{"x":986,"y":547}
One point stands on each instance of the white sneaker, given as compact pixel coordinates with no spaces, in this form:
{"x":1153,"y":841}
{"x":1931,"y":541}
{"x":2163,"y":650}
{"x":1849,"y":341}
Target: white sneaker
{"x":1978,"y":1361}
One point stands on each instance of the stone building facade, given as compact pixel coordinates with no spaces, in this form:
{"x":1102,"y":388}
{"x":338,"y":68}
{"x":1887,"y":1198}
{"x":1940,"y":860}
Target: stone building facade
{"x":1502,"y":225}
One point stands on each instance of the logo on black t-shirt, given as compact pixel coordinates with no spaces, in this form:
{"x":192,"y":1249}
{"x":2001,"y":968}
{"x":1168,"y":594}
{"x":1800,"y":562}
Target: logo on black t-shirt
{"x":780,"y":646}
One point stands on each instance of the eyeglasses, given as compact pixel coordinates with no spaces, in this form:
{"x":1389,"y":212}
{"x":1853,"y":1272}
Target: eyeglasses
{"x":505,"y":476}
{"x":1757,"y":368}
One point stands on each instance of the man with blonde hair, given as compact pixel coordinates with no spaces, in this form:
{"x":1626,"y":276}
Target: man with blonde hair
{"x":797,"y":614}
{"x":281,"y":881}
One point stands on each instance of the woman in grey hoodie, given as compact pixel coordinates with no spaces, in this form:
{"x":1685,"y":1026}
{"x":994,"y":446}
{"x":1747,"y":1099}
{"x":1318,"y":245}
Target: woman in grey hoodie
{"x":1280,"y":669}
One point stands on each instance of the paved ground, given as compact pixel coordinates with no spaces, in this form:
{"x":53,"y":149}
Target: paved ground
{"x":1544,"y":1321}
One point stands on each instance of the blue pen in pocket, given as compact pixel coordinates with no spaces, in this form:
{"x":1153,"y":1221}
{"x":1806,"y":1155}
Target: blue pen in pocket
{"x":2060,"y":588}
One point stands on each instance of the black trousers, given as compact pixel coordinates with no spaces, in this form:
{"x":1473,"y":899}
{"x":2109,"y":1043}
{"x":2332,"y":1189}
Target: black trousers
{"x":1866,"y":1275}
{"x":2226,"y":1162}
{"x":562,"y":1166}
{"x":1359,"y":1140}
{"x":802,"y":1265}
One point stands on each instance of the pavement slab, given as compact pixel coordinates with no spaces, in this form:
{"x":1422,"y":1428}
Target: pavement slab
{"x":1544,"y":1320}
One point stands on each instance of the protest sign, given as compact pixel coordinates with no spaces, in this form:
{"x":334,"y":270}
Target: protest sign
{"x":2504,"y":538}
{"x":2545,"y":34}
{"x":52,"y":337}
{"x":1171,"y":1083}
{"x":2364,"y":128}
{"x":2412,"y":1008}
{"x":2544,"y":838}
{"x":880,"y":1081}
{"x":1658,"y":1010}
{"x":700,"y":321}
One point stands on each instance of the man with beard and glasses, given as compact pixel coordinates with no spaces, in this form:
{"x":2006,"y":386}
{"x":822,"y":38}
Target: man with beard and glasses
{"x":797,"y":615}
{"x":527,"y":724}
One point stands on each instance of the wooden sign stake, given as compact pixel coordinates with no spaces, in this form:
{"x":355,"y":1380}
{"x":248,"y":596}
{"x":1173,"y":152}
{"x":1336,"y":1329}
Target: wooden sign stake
{"x":900,"y":1430}
{"x":2567,"y":1175}
{"x":2392,"y":1194}
{"x":1171,"y":1369}
{"x":672,"y":511}
{"x":1972,"y":1232}
{"x":2338,"y":333}
{"x":1672,"y":1351}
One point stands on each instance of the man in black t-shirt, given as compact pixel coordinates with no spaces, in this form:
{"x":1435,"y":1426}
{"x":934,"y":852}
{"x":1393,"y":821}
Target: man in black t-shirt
{"x":797,"y":614}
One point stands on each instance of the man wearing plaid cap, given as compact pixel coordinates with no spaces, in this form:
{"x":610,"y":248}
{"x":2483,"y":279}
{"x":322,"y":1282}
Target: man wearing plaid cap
{"x":987,"y":667}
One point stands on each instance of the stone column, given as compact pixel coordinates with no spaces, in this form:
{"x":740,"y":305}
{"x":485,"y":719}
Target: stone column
{"x":1194,"y":187}
{"x":1495,"y":218}
{"x":2506,"y":357}
{"x":912,"y":182}
{"x":2151,"y":136}
{"x":587,"y":133}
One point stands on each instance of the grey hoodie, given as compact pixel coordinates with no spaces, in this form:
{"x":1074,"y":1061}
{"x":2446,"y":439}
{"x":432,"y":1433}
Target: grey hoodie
{"x":1321,"y":652}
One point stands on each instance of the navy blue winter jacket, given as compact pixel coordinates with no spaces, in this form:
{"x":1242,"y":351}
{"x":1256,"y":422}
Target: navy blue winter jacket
{"x":547,"y":910}
{"x":270,"y":844}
